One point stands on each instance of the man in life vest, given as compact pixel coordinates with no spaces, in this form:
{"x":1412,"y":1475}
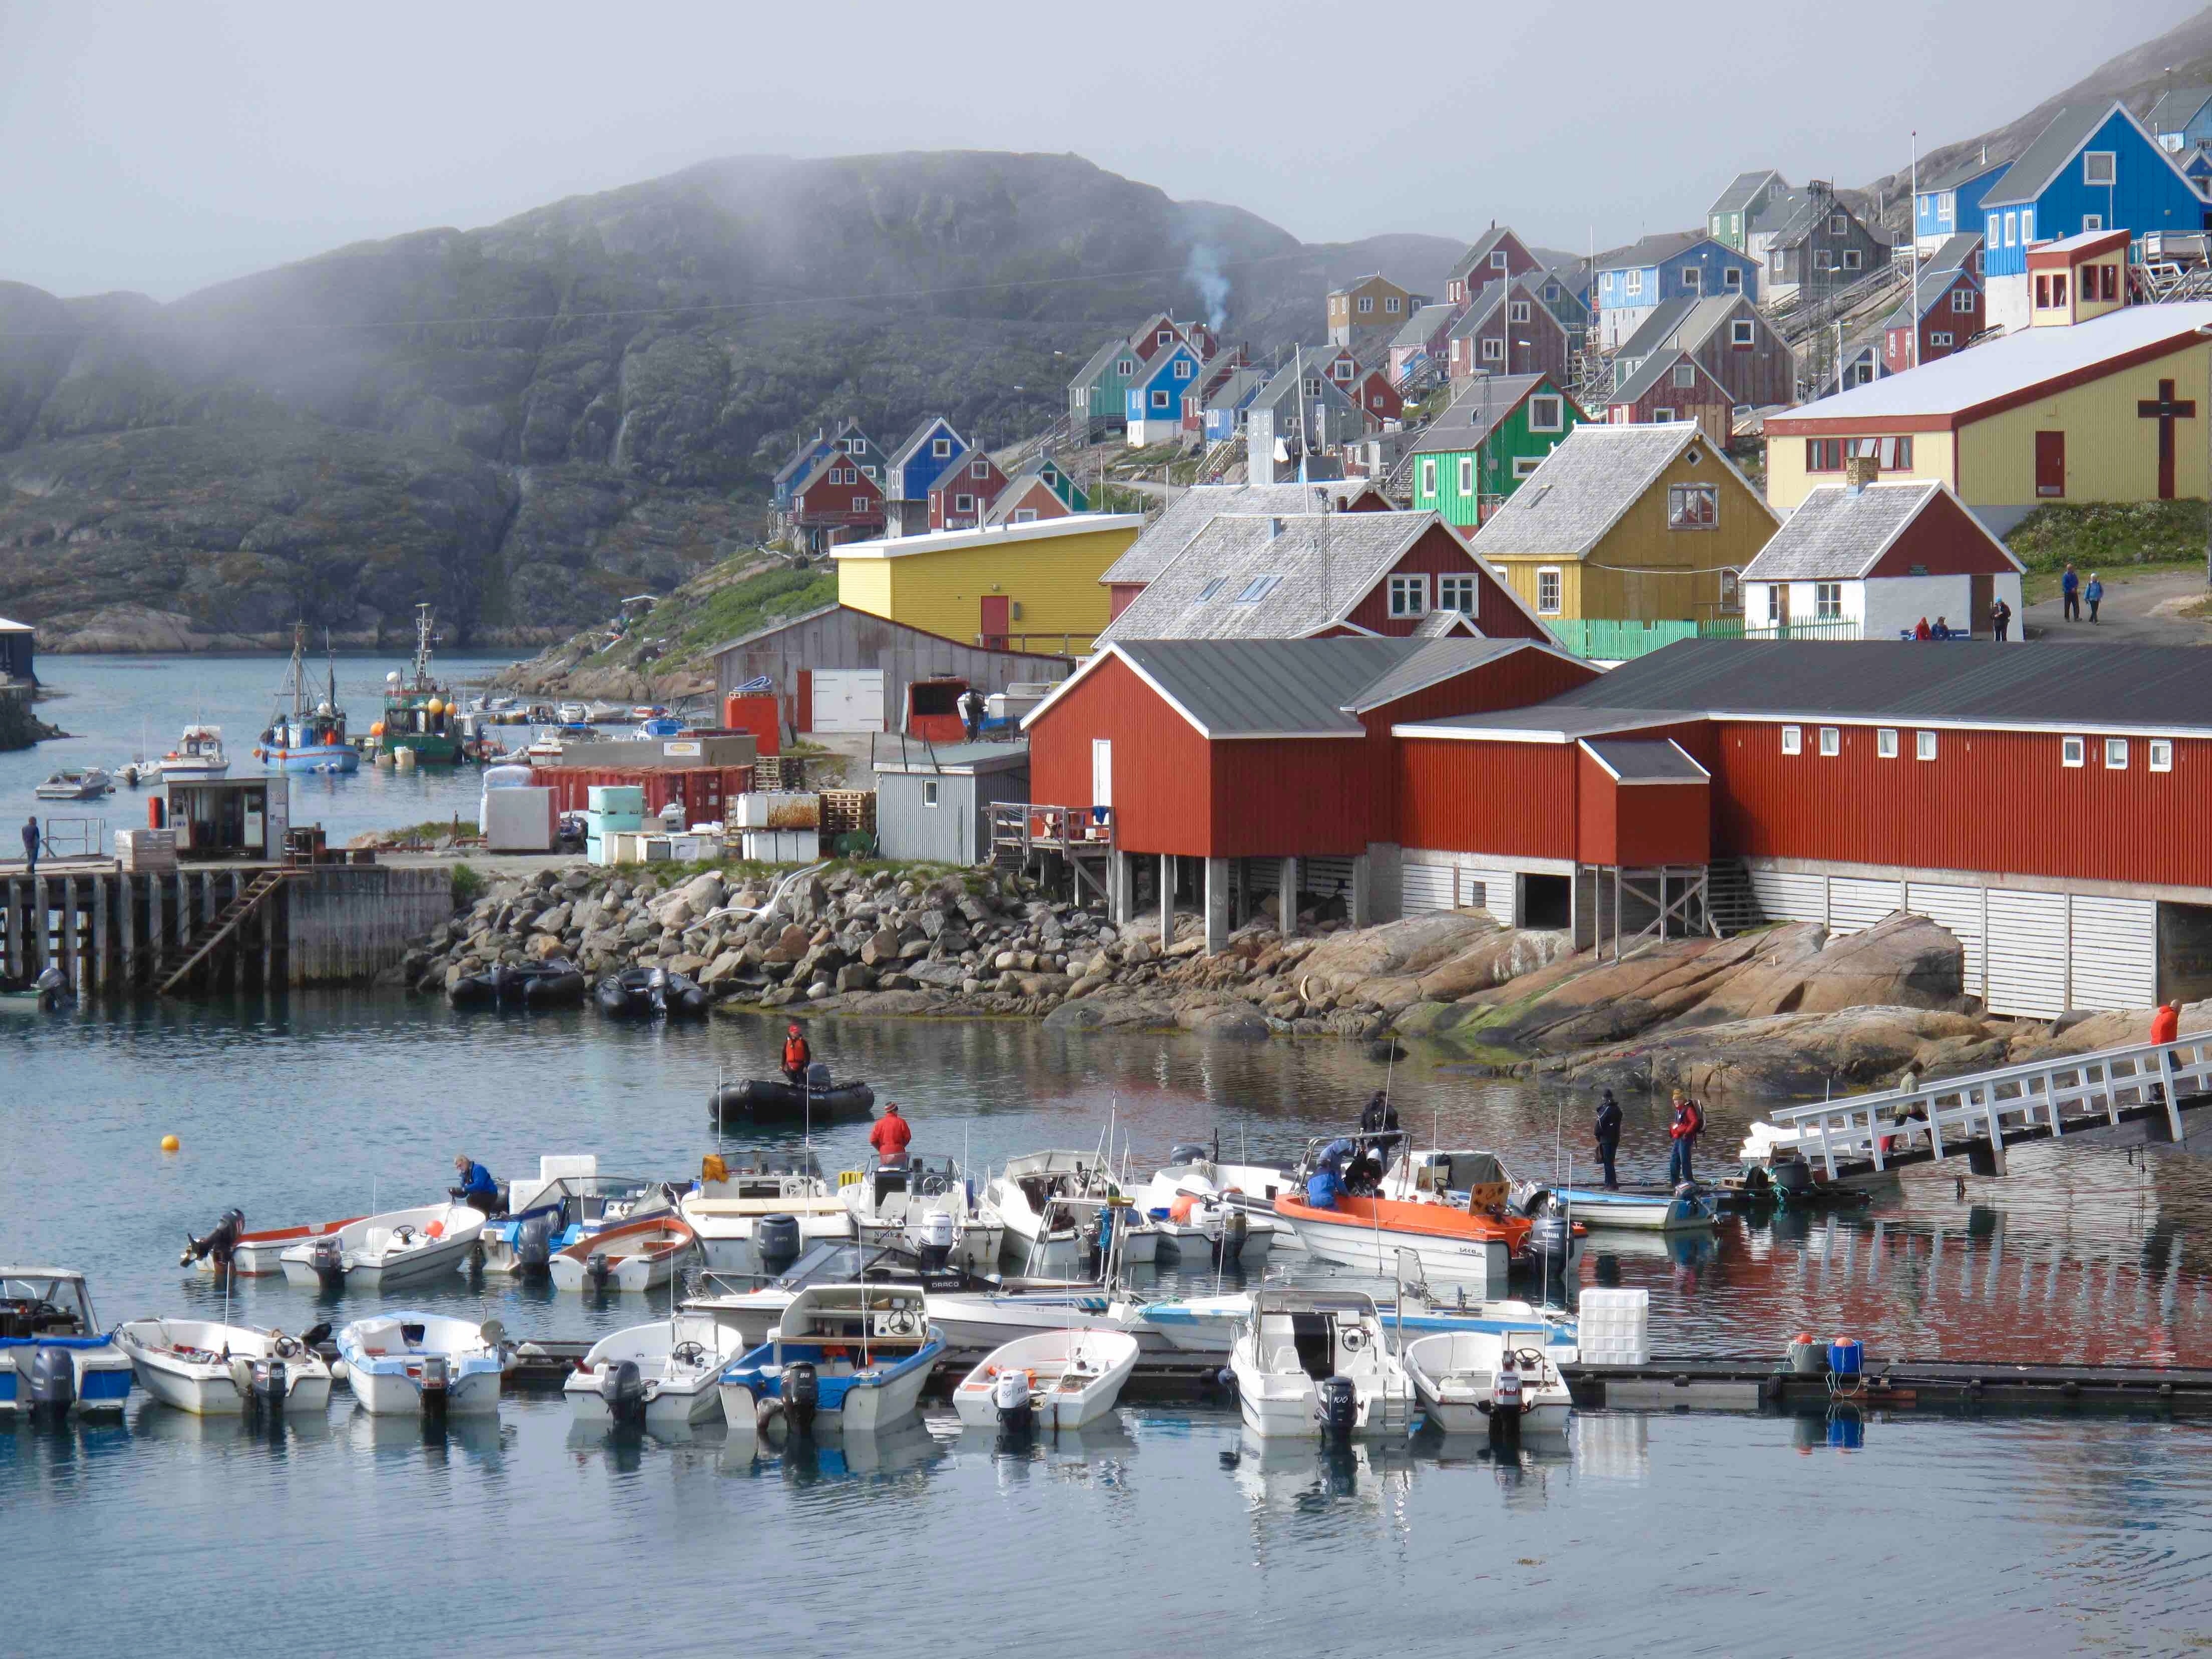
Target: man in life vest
{"x":890,"y":1137}
{"x":797,"y":1057}
{"x":2165,"y":1027}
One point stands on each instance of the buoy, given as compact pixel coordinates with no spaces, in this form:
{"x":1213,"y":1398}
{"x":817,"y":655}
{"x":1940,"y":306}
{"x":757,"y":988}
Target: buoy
{"x":170,"y":1143}
{"x":376,"y":728}
{"x":437,"y":706}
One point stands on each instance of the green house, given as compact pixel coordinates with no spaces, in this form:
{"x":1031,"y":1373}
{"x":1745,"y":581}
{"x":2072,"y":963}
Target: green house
{"x":1095,"y":395}
{"x":1496,"y":434}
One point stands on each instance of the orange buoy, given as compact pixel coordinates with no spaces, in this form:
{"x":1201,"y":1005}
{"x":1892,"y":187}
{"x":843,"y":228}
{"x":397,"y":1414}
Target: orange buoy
{"x":170,"y":1143}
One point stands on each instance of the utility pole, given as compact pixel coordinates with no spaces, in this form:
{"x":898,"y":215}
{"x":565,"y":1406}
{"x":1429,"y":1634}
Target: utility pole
{"x":1913,"y":218}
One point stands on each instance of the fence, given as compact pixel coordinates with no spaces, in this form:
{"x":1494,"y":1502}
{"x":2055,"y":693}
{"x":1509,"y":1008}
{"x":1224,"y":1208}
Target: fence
{"x":73,"y":838}
{"x":1609,"y":639}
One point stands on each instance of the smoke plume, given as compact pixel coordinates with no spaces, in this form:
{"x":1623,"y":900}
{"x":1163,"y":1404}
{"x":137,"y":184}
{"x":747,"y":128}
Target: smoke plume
{"x":1204,"y":274}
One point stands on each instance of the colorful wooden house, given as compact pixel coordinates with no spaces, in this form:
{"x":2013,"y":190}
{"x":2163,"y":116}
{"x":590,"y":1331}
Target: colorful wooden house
{"x":1496,"y":434}
{"x":1367,"y":308}
{"x":809,"y":451}
{"x":2181,"y":119}
{"x":1199,"y":392}
{"x":1507,"y":330}
{"x":1172,"y":529}
{"x":1097,"y":399}
{"x":1730,"y":338}
{"x":1628,"y":523}
{"x":1949,"y":204}
{"x":1418,"y":350}
{"x":2093,"y":168}
{"x":964,"y":490}
{"x":1152,"y":404}
{"x":2076,"y":278}
{"x":1670,"y":385}
{"x":1634,"y":280}
{"x":1497,"y":255}
{"x":1728,"y":220}
{"x":1231,"y":402}
{"x":1298,"y":415}
{"x":1811,"y":238}
{"x":836,"y":499}
{"x":1028,"y":586}
{"x":1950,"y":312}
{"x":912,"y":468}
{"x":1027,"y":499}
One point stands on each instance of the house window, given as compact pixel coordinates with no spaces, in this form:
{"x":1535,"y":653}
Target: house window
{"x":1524,"y":467}
{"x":1635,"y":280}
{"x":1313,"y":386}
{"x":2012,"y":229}
{"x":1160,"y":399}
{"x":964,"y":503}
{"x":1517,"y":311}
{"x":1852,"y":258}
{"x":2093,"y":222}
{"x":1493,"y":351}
{"x":2162,"y":755}
{"x":1741,"y":332}
{"x":1824,"y":259}
{"x":941,"y":448}
{"x":1456,"y":593}
{"x":1924,"y":745}
{"x":1775,"y":613}
{"x":1429,"y":476}
{"x":2115,"y":754}
{"x":2072,"y":752}
{"x":1885,"y":743}
{"x":1183,"y":369}
{"x":1409,"y":595}
{"x":1693,"y":507}
{"x":929,"y":791}
{"x":1366,"y":303}
{"x":1731,"y":594}
{"x":1839,"y":224}
{"x":1025,"y":515}
{"x":979,"y":469}
{"x":1686,"y":375}
{"x":1258,"y":589}
{"x":1499,"y":261}
{"x":1939,"y":339}
{"x":1546,"y":414}
{"x":1467,"y":475}
{"x":1341,"y":368}
{"x":1732,"y":280}
{"x":1824,"y":454}
{"x":2099,"y":166}
{"x":1547,"y":590}
{"x":1793,"y":740}
{"x":1832,"y":742}
{"x":860,"y":503}
{"x":1212,"y":588}
{"x":1393,"y":304}
{"x":1165,"y":337}
{"x":1125,"y":369}
{"x":1828,"y":601}
{"x":1552,"y":293}
{"x":1663,"y":416}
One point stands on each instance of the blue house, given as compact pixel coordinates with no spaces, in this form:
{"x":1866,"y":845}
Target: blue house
{"x":2182,"y":119}
{"x":912,"y":468}
{"x":1153,"y":400}
{"x":1226,"y":408}
{"x":788,"y":476}
{"x":1632,"y":282}
{"x":1952,"y":200}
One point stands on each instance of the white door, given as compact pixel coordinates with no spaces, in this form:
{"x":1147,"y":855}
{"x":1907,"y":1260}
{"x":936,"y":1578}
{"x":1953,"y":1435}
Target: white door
{"x":1102,"y":771}
{"x":2028,"y":954}
{"x":2113,"y":953}
{"x":848,"y":699}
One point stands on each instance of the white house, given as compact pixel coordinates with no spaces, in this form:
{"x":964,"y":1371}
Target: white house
{"x":1868,"y":560}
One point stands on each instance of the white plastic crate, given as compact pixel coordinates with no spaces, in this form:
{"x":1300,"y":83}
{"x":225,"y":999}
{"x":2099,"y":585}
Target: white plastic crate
{"x":1614,"y":1328}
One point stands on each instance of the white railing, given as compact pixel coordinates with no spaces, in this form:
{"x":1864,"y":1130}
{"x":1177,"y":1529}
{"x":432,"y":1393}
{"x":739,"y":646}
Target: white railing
{"x":2042,"y":1097}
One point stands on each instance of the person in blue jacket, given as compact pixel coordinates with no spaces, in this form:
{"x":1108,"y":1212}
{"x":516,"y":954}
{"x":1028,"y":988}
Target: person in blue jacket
{"x":2094,"y":593}
{"x":1324,"y":1187}
{"x":478,"y":1189}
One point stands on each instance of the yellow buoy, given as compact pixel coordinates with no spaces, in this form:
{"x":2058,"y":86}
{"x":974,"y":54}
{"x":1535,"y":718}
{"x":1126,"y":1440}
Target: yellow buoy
{"x":170,"y":1143}
{"x":437,"y":706}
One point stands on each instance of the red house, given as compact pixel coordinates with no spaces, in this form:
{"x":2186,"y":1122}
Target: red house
{"x":1674,"y":386}
{"x":963,"y":492}
{"x":835,"y":500}
{"x":1951,"y":312}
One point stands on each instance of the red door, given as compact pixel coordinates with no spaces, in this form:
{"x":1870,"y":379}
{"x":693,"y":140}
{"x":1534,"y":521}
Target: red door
{"x":994,"y":622}
{"x":2051,"y":464}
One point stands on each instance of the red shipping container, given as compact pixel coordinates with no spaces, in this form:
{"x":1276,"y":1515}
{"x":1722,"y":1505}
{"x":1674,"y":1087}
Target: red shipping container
{"x":705,"y":792}
{"x":759,"y":715}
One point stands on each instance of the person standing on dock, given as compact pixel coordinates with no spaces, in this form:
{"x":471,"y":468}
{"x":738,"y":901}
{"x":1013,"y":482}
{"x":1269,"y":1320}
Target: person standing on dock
{"x":31,"y":842}
{"x":2165,"y":1028}
{"x":797,"y":1057}
{"x":1606,"y":1130}
{"x":890,"y":1137}
{"x":1683,"y":1131}
{"x":972,"y":708}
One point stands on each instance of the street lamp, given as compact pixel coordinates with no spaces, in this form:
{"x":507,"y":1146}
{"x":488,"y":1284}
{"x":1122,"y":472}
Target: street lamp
{"x":2204,"y":331}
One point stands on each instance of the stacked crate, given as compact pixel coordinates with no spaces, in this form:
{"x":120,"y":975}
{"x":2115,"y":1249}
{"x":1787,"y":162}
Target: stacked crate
{"x":1614,"y":1326}
{"x":611,"y":809}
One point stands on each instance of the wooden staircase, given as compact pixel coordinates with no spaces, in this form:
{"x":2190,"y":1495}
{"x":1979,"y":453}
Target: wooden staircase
{"x":1731,"y":905}
{"x":225,"y":926}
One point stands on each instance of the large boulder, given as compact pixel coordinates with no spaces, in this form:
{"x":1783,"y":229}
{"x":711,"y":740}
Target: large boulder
{"x":1903,"y":960}
{"x":1395,"y":949}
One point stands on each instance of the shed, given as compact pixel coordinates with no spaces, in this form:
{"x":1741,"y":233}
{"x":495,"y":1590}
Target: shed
{"x":933,"y":801}
{"x":243,"y":817}
{"x":16,"y":640}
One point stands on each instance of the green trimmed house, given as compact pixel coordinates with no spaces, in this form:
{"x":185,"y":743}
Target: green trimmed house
{"x":1496,"y":434}
{"x":1096,"y":396}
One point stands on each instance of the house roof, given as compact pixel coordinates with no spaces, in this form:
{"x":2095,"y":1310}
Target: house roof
{"x":955,"y":471}
{"x":1587,"y":484}
{"x":917,"y":757}
{"x":1652,"y":369}
{"x":1479,"y":252}
{"x":1284,"y":383}
{"x":1546,"y":722}
{"x":949,"y":541}
{"x":822,"y":463}
{"x":2177,"y":109}
{"x":1741,"y":189}
{"x":1650,"y":251}
{"x":921,"y":434}
{"x":1008,"y":501}
{"x":1239,"y":388}
{"x":1839,"y":534}
{"x":1362,"y":282}
{"x":1646,"y":760}
{"x":1789,"y":218}
{"x":1421,"y":327}
{"x":801,"y":457}
{"x":1191,"y":512}
{"x":2056,"y":145}
{"x":1095,"y":370}
{"x":1685,"y":321}
{"x":1473,"y":415}
{"x":7,"y":626}
{"x":2004,"y":372}
{"x":1974,"y":166}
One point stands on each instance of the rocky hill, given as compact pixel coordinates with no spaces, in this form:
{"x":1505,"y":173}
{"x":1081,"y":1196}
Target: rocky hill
{"x":524,"y":422}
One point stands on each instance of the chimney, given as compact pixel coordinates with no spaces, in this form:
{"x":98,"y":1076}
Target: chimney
{"x":1859,"y":472}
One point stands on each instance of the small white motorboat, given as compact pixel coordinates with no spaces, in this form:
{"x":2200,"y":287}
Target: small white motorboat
{"x":53,"y":1355}
{"x":427,"y":1365}
{"x":1202,"y":1214}
{"x":749,"y":1305}
{"x":208,"y":1369}
{"x":1658,"y":1210}
{"x":1315,"y":1363}
{"x":1054,"y":1207}
{"x":761,"y":1218}
{"x":661,"y":1375}
{"x":569,"y":1201}
{"x":636,"y":1255}
{"x":1060,"y":1379}
{"x":929,"y":1203}
{"x":252,"y":1254}
{"x":1466,"y":1380}
{"x":384,"y":1252}
{"x":75,"y":783}
{"x":854,"y":1358}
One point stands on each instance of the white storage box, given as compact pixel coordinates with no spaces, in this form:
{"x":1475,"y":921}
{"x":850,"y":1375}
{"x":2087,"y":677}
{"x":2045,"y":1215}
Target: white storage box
{"x":771,"y":810}
{"x":519,"y":820}
{"x":1614,"y":1328}
{"x":141,"y":850}
{"x":782,"y":846}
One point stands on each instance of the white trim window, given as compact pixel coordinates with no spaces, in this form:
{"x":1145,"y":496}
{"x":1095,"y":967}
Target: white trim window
{"x":1457,"y":593}
{"x":1686,"y":377}
{"x":1693,"y":507}
{"x":2115,"y":754}
{"x":1467,"y":475}
{"x":979,"y":469}
{"x":1493,"y":351}
{"x":1409,"y":594}
{"x":1524,"y":467}
{"x":1546,"y":413}
{"x":2073,"y":751}
{"x":2161,"y":754}
{"x":1126,"y":368}
{"x":1924,"y":745}
{"x":1828,"y":601}
{"x":1693,"y":280}
{"x":1663,"y":416}
{"x":1853,"y":259}
{"x":1517,"y":311}
{"x":1940,"y":339}
{"x":964,"y":503}
{"x":929,"y":791}
{"x":1776,"y":610}
{"x":2101,"y":168}
{"x":1965,"y":301}
{"x":1793,"y":740}
{"x":1732,"y":280}
{"x":1429,"y":475}
{"x":2012,"y":228}
{"x":1832,"y":742}
{"x":1839,"y":224}
{"x":2093,"y":222}
{"x":1025,"y":515}
{"x":940,"y":448}
{"x":1160,"y":397}
{"x":1549,"y":583}
{"x":1885,"y":743}
{"x":1635,"y":281}
{"x":1741,"y":333}
{"x":1393,"y":304}
{"x":1501,"y":260}
{"x":1183,"y":369}
{"x":1366,"y":304}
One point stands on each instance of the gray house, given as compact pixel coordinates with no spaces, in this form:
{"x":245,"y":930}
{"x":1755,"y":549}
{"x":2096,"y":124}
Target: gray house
{"x":933,"y":801}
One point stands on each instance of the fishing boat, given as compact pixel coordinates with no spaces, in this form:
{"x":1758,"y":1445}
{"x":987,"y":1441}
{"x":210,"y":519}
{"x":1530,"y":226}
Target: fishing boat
{"x":929,"y":1205}
{"x":650,"y":993}
{"x":843,"y":1357}
{"x":1054,"y":1207}
{"x":425,"y":1365}
{"x":1455,"y":1232}
{"x":253,"y":1254}
{"x":199,"y":754}
{"x":1317,"y":1363}
{"x":53,"y":1354}
{"x":210,"y":1369}
{"x":76,"y":783}
{"x":310,"y":734}
{"x":568,"y":1202}
{"x":1057,"y":1380}
{"x":761,"y":1215}
{"x":384,"y":1252}
{"x":637,"y":1255}
{"x":1466,"y":1380}
{"x":662,"y":1374}
{"x":420,"y":714}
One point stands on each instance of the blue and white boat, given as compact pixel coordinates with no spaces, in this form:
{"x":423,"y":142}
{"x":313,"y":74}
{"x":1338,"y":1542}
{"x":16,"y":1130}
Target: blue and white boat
{"x":853,"y":1357}
{"x":1655,"y":1210}
{"x":421,"y":1364}
{"x":53,"y":1351}
{"x":310,"y":736}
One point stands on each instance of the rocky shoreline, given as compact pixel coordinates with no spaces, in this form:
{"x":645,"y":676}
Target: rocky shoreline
{"x":123,"y":629}
{"x":1785,"y":1011}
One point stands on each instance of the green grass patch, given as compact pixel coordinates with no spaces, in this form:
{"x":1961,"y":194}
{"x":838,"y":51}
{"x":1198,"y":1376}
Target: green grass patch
{"x":2107,"y":535}
{"x":738,"y":607}
{"x":468,"y":886}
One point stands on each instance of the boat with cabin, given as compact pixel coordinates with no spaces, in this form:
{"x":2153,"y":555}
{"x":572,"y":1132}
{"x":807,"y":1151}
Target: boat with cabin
{"x":1054,"y":1207}
{"x":420,"y":714}
{"x":854,"y":1358}
{"x":1449,"y":1209}
{"x":662,"y":1375}
{"x":210,"y":1369}
{"x":929,"y":1203}
{"x":763,"y":1212}
{"x":53,"y":1354}
{"x":1312,"y":1362}
{"x":750,"y":1304}
{"x":310,"y":734}
{"x":423,"y":1365}
{"x":199,"y":755}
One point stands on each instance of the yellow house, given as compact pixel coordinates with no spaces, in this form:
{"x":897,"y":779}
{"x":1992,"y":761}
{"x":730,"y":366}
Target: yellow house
{"x":1642,"y":523}
{"x":1016,"y":587}
{"x":2111,"y":408}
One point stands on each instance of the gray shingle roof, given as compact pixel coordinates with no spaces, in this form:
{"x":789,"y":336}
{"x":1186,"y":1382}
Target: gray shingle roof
{"x":1745,"y":185}
{"x":1283,"y":688}
{"x":1166,"y":536}
{"x":1594,"y":476}
{"x":1964,"y":173}
{"x":1837,"y":534}
{"x":2178,"y":108}
{"x":1656,"y":367}
{"x":1094,"y":371}
{"x":2052,"y":150}
{"x":1646,"y":760}
{"x":1321,"y":565}
{"x":1488,"y":400}
{"x":1422,"y":326}
{"x":1650,"y":251}
{"x":1479,"y":254}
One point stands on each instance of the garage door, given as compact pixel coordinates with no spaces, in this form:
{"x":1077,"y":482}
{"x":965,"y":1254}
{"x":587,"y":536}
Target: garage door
{"x":2027,"y":953}
{"x":1855,"y":904}
{"x":848,"y":699}
{"x":1784,"y":896}
{"x":1958,"y":911}
{"x":2114,"y":953}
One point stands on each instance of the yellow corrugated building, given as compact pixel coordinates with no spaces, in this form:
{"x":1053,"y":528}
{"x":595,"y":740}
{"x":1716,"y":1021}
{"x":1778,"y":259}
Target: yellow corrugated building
{"x":1021,"y":586}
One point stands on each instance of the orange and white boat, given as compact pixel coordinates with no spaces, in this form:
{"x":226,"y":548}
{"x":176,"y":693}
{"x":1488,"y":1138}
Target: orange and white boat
{"x":1452,"y":1241}
{"x":637,"y":1255}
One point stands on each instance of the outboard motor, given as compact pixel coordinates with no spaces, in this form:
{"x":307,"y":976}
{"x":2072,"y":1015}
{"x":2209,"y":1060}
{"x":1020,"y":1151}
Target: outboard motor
{"x":329,"y":1259}
{"x":622,"y":1386}
{"x":1236,"y":1228}
{"x":53,"y":1380}
{"x":1505,"y":1403}
{"x":1336,"y":1404}
{"x":436,"y":1385}
{"x":777,"y":1239}
{"x":1185,"y":1153}
{"x":221,"y":1242}
{"x":1551,"y":1237}
{"x":596,"y":1269}
{"x":272,"y":1383}
{"x":658,"y":983}
{"x":1688,"y":1189}
{"x":53,"y":989}
{"x":533,"y":1245}
{"x":1010,"y":1397}
{"x":802,"y":1396}
{"x":937,"y":1237}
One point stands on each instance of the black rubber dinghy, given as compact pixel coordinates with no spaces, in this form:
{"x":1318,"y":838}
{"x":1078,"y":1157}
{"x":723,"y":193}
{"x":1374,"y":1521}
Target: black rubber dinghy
{"x":649,"y":993}
{"x":771,"y":1100}
{"x":555,"y":984}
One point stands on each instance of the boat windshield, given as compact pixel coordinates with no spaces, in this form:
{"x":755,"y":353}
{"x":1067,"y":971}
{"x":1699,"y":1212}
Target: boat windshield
{"x":54,"y":1304}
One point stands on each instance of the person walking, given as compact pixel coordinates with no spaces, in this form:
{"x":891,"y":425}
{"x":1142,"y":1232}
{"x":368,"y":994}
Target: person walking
{"x":2069,"y":591}
{"x":2000,"y":620}
{"x":1606,"y":1132}
{"x":972,"y":710}
{"x":31,"y":842}
{"x":2094,"y":593}
{"x":1682,"y":1131}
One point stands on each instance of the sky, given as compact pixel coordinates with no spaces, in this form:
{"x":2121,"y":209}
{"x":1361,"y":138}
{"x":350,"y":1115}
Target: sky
{"x":161,"y":147}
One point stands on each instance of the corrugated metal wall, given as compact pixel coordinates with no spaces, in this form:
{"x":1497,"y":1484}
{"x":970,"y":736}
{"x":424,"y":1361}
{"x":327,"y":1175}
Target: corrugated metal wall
{"x":1163,"y":786}
{"x":1507,"y":799}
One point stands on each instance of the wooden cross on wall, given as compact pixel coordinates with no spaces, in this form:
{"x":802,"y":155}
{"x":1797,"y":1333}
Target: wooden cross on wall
{"x":2166,"y":409}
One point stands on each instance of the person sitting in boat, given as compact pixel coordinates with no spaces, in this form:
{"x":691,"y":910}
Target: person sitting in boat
{"x":478,"y":1189}
{"x":1324,"y":1187}
{"x":889,"y":1138}
{"x":797,"y":1057}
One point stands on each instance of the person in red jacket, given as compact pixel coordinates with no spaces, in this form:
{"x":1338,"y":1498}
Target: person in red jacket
{"x":1683,"y":1132}
{"x":889,"y":1138}
{"x":2165,"y":1027}
{"x":797,"y":1057}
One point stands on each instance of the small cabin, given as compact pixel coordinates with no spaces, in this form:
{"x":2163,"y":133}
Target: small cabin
{"x":933,"y":802}
{"x":243,"y":818}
